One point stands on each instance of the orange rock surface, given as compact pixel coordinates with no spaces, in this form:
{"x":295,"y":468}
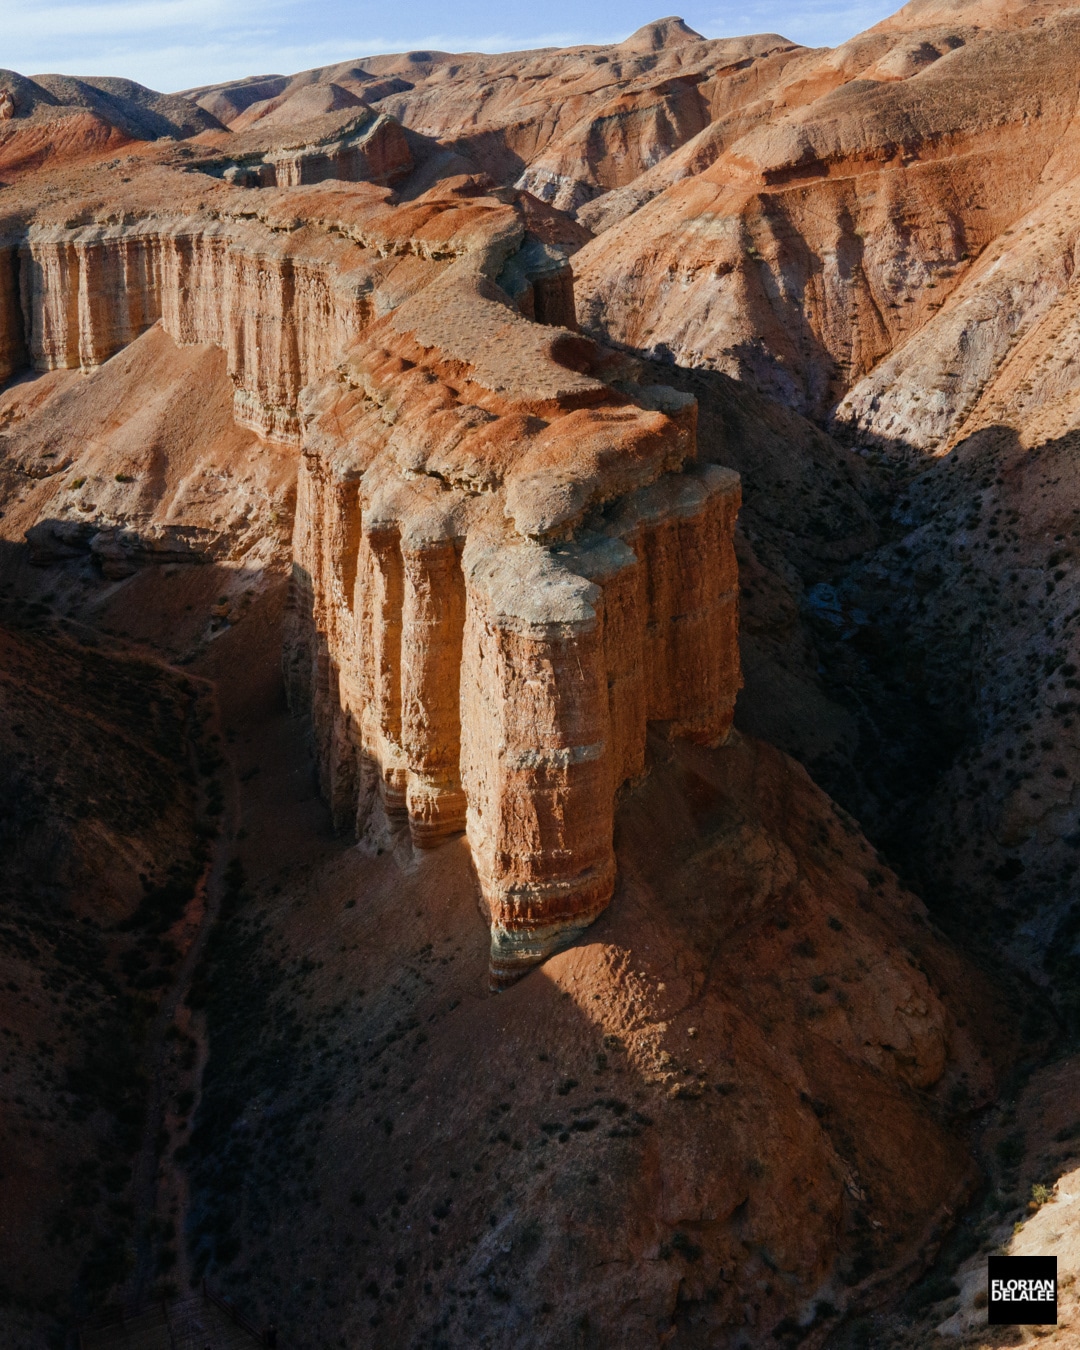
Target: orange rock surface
{"x":851,"y":227}
{"x":475,"y":496}
{"x":567,"y":125}
{"x":753,"y":1050}
{"x":476,"y":358}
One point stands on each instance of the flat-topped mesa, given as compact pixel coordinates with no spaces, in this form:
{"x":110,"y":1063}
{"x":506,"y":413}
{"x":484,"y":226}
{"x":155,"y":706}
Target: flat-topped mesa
{"x":507,"y":560}
{"x":505,"y":569}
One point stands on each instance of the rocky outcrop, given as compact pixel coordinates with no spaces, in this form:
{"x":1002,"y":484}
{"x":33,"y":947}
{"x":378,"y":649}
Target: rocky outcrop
{"x":120,"y":552}
{"x":359,"y":148}
{"x":512,"y":579}
{"x":817,"y":246}
{"x":507,"y":562}
{"x":814,"y":223}
{"x":568,"y":125}
{"x":491,"y":604}
{"x":281,"y":304}
{"x":376,"y":153}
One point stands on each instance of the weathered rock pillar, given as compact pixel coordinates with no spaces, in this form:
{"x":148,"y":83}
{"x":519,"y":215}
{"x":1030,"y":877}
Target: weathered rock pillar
{"x":681,"y":528}
{"x":387,"y":581}
{"x":616,"y":569}
{"x":13,"y":354}
{"x":432,"y":627}
{"x":537,"y":763}
{"x":51,"y":299}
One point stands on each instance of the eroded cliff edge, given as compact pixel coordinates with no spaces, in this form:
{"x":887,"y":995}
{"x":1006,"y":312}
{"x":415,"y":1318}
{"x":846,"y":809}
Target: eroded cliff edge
{"x":763,"y":1047}
{"x":507,"y":560}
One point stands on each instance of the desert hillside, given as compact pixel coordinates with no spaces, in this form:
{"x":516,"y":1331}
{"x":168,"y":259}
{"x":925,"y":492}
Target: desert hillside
{"x":541,"y":691}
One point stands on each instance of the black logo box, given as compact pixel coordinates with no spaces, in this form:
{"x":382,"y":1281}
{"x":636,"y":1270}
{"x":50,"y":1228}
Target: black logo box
{"x":1021,"y":1291}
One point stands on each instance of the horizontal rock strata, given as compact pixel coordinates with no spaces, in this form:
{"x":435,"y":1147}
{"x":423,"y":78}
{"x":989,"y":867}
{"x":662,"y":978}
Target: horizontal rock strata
{"x":507,"y":560}
{"x":279,"y":309}
{"x":366,"y":149}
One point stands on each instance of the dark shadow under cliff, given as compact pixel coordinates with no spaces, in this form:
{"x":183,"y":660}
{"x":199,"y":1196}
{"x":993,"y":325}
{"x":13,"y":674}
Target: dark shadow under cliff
{"x":907,"y":631}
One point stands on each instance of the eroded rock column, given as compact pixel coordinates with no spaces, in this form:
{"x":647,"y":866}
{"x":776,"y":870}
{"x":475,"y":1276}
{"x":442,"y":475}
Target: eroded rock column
{"x":385,"y":576}
{"x":681,"y":528}
{"x":51,"y":300}
{"x":537,"y":754}
{"x":613,"y":566}
{"x":433,"y":621}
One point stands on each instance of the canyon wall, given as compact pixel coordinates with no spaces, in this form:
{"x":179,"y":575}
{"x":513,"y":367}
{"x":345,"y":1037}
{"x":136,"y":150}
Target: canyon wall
{"x":473,"y":680}
{"x":280,"y":310}
{"x":507,"y":562}
{"x":500,"y":581}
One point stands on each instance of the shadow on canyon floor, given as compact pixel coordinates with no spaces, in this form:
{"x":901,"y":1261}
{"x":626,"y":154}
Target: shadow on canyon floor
{"x":111,"y":814}
{"x":909,"y":633}
{"x":693,"y":1120}
{"x":737,"y":1103}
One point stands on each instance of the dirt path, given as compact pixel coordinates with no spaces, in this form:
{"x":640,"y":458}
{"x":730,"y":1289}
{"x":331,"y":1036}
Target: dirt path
{"x":159,"y":1192}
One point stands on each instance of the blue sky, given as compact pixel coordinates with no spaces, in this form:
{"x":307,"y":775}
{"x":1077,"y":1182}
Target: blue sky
{"x":174,"y":44}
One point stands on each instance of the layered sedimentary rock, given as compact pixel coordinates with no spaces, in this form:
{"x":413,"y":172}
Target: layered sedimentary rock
{"x":507,"y":562}
{"x":280,"y":310}
{"x":376,"y":153}
{"x":865,"y":235}
{"x":850,"y":230}
{"x":56,"y":118}
{"x":360,"y":147}
{"x":498,"y":586}
{"x":569,"y":125}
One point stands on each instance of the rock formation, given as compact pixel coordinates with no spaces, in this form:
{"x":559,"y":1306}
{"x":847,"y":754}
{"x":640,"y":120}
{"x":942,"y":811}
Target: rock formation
{"x":506,"y":568}
{"x":570,"y":125}
{"x":838,"y":246}
{"x":475,"y":357}
{"x":507,"y":560}
{"x":357,"y":147}
{"x":56,"y":119}
{"x":812,"y":222}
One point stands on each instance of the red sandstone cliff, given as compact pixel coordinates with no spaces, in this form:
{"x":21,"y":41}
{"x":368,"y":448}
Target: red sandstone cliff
{"x":513,"y":551}
{"x":860,"y":226}
{"x":505,"y":565}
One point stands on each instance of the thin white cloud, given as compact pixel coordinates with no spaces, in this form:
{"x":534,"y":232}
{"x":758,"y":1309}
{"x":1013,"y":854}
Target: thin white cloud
{"x":177,"y":44}
{"x":42,"y":23}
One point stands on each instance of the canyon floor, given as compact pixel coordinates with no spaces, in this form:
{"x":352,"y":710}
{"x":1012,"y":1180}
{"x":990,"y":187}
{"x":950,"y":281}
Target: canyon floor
{"x":817,"y":1057}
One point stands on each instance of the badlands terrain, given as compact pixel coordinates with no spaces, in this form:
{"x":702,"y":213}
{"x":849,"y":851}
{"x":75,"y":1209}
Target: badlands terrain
{"x":541,"y":690}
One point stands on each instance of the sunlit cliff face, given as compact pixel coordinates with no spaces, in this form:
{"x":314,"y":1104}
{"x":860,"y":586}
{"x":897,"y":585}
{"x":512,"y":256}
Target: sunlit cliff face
{"x":405,"y":390}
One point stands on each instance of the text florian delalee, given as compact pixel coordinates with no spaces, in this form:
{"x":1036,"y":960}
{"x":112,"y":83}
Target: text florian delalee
{"x":1035,"y":1291}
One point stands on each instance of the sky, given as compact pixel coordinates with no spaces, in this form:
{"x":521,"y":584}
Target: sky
{"x":178,"y":44}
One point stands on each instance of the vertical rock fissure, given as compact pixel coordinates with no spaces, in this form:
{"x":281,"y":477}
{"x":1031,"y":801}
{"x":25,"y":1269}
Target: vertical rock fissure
{"x":388,"y":587}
